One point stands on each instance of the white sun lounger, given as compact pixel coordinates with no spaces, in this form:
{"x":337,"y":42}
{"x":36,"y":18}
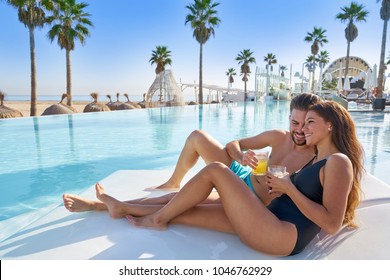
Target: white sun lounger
{"x":61,"y":235}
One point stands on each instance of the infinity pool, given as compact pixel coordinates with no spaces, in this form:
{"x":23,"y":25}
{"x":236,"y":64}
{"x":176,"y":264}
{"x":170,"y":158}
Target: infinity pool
{"x":43,"y":157}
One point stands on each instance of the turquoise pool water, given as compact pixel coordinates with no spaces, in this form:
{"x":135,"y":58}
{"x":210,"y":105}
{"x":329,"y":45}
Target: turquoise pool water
{"x":41,"y":158}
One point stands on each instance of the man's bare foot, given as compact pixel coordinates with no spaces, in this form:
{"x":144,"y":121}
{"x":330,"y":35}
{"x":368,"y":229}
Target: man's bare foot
{"x":75,"y":203}
{"x":116,"y":208}
{"x":146,"y":222}
{"x":168,"y":186}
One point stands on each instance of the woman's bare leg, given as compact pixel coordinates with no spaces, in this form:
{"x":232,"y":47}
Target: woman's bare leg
{"x":194,"y":216}
{"x":198,"y":144}
{"x":194,"y":192}
{"x":208,"y":216}
{"x":245,"y":214}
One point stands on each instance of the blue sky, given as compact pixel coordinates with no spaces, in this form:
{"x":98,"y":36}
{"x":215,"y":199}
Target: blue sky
{"x":116,"y":56}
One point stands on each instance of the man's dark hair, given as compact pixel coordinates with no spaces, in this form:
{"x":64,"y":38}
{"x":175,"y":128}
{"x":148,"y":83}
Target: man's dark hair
{"x":304,"y":101}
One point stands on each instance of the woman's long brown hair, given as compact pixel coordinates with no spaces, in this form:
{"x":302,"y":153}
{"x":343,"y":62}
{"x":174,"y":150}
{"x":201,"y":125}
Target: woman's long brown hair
{"x":345,"y":138}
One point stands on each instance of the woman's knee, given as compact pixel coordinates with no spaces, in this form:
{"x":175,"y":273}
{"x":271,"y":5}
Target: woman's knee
{"x":217,"y":167}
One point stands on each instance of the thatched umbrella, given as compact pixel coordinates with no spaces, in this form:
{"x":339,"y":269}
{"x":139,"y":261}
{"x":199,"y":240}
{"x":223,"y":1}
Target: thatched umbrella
{"x":7,"y":112}
{"x":109,"y":104}
{"x":125,"y":106}
{"x":59,"y":108}
{"x":132,"y":103}
{"x":143,"y":102}
{"x":114,"y":105}
{"x":95,"y":106}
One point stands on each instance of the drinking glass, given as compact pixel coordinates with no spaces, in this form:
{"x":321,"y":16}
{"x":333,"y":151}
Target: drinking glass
{"x":262,"y":162}
{"x":277,"y":170}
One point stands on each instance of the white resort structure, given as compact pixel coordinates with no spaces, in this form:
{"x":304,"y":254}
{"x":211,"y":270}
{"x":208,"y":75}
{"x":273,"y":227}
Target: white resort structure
{"x":164,"y":90}
{"x":272,"y":83}
{"x":277,"y":85}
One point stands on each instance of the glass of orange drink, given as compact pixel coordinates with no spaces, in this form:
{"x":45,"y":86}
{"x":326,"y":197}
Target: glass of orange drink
{"x":262,"y":162}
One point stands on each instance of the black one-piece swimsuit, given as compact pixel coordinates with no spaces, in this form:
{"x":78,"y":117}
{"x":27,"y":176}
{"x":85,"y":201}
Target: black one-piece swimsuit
{"x":307,"y":181}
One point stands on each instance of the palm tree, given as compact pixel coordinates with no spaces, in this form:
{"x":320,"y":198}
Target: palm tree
{"x":385,"y":15}
{"x":353,"y":13}
{"x":244,"y":58}
{"x":322,"y":59}
{"x":311,"y":64}
{"x":230,"y":73}
{"x":282,"y":68}
{"x":32,"y":14}
{"x":160,"y":57}
{"x":203,"y":19}
{"x":70,"y":23}
{"x":270,"y":58}
{"x":318,"y":38}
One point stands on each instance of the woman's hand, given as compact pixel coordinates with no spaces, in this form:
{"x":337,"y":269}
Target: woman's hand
{"x":278,"y":185}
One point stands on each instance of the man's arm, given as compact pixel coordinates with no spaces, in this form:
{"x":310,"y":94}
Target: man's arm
{"x":269,"y":138}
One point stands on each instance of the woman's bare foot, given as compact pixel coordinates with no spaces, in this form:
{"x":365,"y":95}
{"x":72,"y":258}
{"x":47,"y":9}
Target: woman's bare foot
{"x":116,"y":208}
{"x":75,"y":203}
{"x":146,"y":222}
{"x":168,"y":186}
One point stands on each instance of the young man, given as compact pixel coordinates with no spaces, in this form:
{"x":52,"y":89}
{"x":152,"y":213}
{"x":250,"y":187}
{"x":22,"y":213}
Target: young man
{"x":288,"y":149}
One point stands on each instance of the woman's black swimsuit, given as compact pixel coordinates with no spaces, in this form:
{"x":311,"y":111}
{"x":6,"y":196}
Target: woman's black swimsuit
{"x":307,"y":181}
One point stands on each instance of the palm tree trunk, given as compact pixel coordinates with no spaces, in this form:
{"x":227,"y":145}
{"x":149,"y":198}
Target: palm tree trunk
{"x":320,"y":80}
{"x":267,"y":81}
{"x":68,"y":78}
{"x":33,"y":104}
{"x":246,"y":94}
{"x":245,"y":88}
{"x":312,"y":82}
{"x":200,"y":74}
{"x":347,"y":60}
{"x":382,"y":60}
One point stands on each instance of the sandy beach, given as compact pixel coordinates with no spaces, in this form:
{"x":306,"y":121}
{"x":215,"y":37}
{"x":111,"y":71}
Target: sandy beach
{"x":24,"y":106}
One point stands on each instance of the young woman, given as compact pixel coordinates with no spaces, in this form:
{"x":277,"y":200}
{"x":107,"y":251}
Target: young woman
{"x":322,"y":195}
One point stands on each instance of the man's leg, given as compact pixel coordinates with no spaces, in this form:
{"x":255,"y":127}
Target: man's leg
{"x":198,"y":144}
{"x":75,"y":203}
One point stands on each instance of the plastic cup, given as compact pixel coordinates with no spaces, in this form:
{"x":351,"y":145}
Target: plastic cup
{"x":277,"y":170}
{"x":262,"y":163}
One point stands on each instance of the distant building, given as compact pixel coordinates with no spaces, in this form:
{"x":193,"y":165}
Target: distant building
{"x":357,"y":70}
{"x":278,"y":84}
